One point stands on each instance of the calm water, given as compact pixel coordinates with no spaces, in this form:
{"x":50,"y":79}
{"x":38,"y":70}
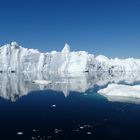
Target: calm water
{"x":66,"y":110}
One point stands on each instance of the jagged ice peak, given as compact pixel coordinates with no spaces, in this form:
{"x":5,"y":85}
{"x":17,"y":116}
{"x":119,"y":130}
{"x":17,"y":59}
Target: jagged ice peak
{"x":16,"y":58}
{"x":66,"y":48}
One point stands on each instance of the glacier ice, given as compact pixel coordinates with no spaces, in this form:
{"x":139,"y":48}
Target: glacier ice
{"x":66,"y":71}
{"x":121,"y":90}
{"x":13,"y":58}
{"x":121,"y":93}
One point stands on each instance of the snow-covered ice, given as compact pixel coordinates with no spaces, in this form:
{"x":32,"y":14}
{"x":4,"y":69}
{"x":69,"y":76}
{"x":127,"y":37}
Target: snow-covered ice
{"x":66,"y":71}
{"x":18,"y":59}
{"x":121,"y":93}
{"x":121,"y":90}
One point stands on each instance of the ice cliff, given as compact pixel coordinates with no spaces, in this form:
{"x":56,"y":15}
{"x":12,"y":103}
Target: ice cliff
{"x":14,"y":58}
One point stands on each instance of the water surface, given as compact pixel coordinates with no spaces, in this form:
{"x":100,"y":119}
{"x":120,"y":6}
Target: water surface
{"x":69,"y":108}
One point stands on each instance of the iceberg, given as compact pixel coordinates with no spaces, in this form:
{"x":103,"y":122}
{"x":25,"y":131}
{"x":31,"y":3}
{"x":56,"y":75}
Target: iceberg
{"x":65,"y":71}
{"x":15,"y":58}
{"x":121,"y":93}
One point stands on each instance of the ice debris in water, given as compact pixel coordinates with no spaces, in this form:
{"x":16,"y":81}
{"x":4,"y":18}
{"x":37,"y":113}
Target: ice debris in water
{"x":19,"y":133}
{"x":119,"y":90}
{"x":54,"y":106}
{"x":81,"y":127}
{"x":56,"y":131}
{"x":89,"y":133}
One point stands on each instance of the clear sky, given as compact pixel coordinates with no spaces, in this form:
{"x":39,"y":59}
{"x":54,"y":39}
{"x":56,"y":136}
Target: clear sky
{"x":109,"y":27}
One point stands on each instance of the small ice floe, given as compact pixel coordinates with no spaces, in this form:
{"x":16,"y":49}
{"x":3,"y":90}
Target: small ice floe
{"x":121,"y":93}
{"x":85,"y":94}
{"x":53,"y":106}
{"x":19,"y":133}
{"x":56,"y":131}
{"x":42,"y":82}
{"x":81,"y":127}
{"x":34,"y":130}
{"x":89,"y":133}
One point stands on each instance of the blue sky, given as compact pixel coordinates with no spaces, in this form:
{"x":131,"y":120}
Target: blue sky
{"x":109,"y":27}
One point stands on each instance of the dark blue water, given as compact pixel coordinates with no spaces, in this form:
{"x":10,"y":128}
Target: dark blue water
{"x":43,"y":115}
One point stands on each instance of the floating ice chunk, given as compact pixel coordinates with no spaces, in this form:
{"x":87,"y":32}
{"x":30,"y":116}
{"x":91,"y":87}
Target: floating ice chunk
{"x":119,"y":90}
{"x":88,"y":133}
{"x":54,"y":106}
{"x":16,"y":58}
{"x":57,"y":131}
{"x":19,"y":133}
{"x":81,"y":127}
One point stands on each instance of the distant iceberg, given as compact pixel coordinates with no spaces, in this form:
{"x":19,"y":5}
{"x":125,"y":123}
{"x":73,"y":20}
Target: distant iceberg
{"x":14,"y":58}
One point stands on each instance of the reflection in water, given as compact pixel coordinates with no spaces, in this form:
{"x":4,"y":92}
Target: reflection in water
{"x":123,"y":99}
{"x":13,"y":86}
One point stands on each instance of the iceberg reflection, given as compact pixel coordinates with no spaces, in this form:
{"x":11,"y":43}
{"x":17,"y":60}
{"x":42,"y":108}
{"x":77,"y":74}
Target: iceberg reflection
{"x":13,"y":86}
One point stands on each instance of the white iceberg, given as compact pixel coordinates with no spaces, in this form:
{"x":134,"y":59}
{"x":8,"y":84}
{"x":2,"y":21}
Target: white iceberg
{"x":77,"y":71}
{"x":18,"y":59}
{"x":121,"y":93}
{"x":14,"y":58}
